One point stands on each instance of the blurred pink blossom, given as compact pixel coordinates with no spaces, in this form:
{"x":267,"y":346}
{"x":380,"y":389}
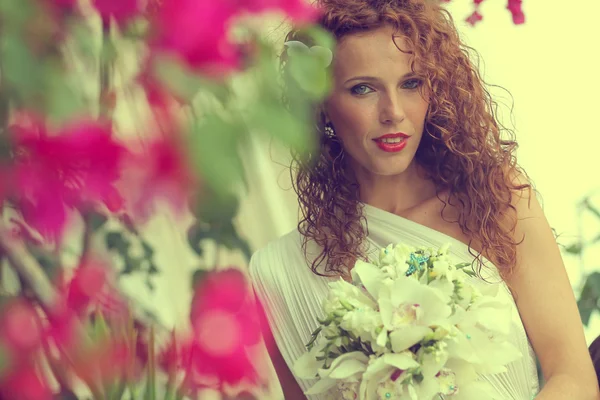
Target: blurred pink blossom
{"x":514,"y":6}
{"x":298,"y":10}
{"x":86,"y":287}
{"x":19,"y":329}
{"x":53,"y":171}
{"x":196,"y":31}
{"x":160,"y":172}
{"x":24,"y":383}
{"x":474,"y":18}
{"x":225,"y":325}
{"x":121,"y":10}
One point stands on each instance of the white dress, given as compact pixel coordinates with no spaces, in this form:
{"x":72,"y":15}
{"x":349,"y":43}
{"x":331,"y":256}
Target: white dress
{"x":292,"y":294}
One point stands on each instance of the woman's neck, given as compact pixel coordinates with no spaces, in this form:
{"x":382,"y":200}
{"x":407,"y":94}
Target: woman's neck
{"x":397,"y":194}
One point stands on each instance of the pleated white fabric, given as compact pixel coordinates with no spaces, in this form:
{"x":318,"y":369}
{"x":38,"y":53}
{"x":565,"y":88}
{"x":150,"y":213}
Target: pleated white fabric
{"x":292,"y":295}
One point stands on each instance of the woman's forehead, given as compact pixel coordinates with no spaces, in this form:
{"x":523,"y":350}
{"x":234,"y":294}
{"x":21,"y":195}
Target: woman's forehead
{"x":372,"y":52}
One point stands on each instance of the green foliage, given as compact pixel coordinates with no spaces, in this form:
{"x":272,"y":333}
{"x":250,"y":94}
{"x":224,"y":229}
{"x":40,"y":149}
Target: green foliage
{"x":589,"y":296}
{"x":589,"y":299}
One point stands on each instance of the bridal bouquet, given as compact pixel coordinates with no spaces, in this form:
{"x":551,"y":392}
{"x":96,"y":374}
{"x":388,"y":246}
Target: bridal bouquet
{"x":411,"y":325}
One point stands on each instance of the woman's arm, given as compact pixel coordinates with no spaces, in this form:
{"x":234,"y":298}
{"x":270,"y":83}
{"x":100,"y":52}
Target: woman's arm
{"x":289,"y":385}
{"x":548,"y":308}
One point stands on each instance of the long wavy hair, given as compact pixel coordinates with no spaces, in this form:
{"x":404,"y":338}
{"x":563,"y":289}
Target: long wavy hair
{"x":461,"y":150}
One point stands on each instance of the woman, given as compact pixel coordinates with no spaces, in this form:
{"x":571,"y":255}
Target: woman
{"x":411,"y":151}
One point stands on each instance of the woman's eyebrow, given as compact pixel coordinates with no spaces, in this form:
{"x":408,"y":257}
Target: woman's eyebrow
{"x":372,"y":78}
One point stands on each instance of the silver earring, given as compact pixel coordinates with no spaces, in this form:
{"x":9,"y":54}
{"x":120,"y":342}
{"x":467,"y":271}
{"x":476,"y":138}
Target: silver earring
{"x":329,"y":132}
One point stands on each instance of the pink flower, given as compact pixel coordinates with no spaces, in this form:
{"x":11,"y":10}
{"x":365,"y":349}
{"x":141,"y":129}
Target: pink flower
{"x":24,"y":384}
{"x":71,"y":168}
{"x":298,"y":10}
{"x":224,"y":324}
{"x":121,"y":10}
{"x":474,"y":18}
{"x":514,"y":6}
{"x":19,"y":330}
{"x":195,"y":31}
{"x":161,"y":172}
{"x":86,"y":287}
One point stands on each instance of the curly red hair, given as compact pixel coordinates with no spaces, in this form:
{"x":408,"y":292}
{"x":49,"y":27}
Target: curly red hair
{"x":461,"y":150}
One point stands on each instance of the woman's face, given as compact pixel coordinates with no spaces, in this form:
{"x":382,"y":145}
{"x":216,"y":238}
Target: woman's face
{"x":375,"y":94}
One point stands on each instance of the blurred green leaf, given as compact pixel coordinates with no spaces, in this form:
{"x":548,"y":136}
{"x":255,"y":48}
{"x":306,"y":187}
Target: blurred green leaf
{"x":575,"y":248}
{"x":148,"y":250}
{"x":100,"y":330}
{"x":216,"y":207}
{"x":15,"y":13}
{"x":310,"y":73}
{"x":47,"y":261}
{"x":150,"y":392}
{"x":590,"y":296}
{"x":195,"y":235}
{"x":290,"y":130}
{"x":214,"y":147}
{"x":19,"y":68}
{"x":592,"y":208}
{"x":173,"y":75}
{"x":61,"y":101}
{"x":198,"y":276}
{"x":96,"y":220}
{"x":116,"y":241}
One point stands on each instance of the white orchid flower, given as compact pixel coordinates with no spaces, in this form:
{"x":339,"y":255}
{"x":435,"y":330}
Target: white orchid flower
{"x":348,"y":367}
{"x":344,"y":297}
{"x":409,"y":310}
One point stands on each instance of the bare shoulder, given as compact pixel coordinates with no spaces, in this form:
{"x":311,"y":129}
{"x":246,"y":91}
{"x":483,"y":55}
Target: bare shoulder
{"x":545,"y":298}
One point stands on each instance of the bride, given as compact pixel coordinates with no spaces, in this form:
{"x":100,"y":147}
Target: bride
{"x":410,"y":151}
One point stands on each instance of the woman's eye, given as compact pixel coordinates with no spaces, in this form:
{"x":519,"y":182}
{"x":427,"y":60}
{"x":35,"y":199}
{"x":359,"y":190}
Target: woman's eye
{"x":360,"y":89}
{"x":412,"y":84}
